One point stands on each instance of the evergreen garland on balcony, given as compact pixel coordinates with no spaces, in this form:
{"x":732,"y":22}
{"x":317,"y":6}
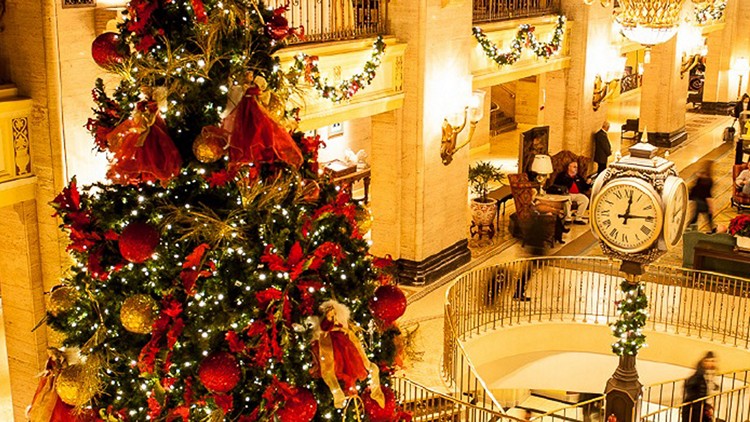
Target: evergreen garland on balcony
{"x":712,"y":12}
{"x":524,"y":38}
{"x":308,"y":66}
{"x":633,"y":314}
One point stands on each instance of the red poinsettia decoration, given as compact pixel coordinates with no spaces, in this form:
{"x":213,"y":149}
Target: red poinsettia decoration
{"x":740,"y":225}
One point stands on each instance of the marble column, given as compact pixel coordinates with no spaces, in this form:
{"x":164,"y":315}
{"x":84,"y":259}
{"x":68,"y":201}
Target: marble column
{"x":721,"y":79}
{"x":23,"y":301}
{"x":663,"y":96}
{"x":426,"y":225}
{"x":590,"y":35}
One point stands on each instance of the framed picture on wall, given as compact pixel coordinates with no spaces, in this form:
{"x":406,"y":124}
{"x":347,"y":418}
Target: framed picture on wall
{"x":336,"y":129}
{"x":311,"y":133}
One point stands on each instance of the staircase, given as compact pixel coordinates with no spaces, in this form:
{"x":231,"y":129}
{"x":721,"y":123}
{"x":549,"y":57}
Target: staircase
{"x":499,"y":122}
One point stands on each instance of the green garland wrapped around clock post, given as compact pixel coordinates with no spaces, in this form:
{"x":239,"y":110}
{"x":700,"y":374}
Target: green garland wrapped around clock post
{"x":632,"y":318}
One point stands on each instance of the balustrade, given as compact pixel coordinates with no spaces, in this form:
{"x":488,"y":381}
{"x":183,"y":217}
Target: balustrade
{"x":499,"y":10}
{"x":332,"y":20}
{"x":706,"y":305}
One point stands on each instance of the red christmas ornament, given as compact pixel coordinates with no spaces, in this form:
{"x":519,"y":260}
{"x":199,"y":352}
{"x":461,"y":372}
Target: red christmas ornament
{"x":387,"y":413}
{"x":388,"y":304}
{"x":104,"y":50}
{"x":299,"y":408}
{"x":138,"y":242}
{"x":219,"y":372}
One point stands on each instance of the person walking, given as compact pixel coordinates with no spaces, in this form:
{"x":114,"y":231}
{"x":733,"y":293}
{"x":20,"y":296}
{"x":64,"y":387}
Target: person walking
{"x":701,"y":384}
{"x":700,"y":195}
{"x":602,"y":147}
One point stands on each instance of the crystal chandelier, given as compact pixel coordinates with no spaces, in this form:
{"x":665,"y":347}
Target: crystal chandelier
{"x":649,"y":22}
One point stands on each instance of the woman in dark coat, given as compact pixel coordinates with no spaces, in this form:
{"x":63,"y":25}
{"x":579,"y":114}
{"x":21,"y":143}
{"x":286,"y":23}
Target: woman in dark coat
{"x":699,"y":385}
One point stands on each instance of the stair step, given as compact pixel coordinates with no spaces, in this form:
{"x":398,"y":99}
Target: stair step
{"x":510,"y":126}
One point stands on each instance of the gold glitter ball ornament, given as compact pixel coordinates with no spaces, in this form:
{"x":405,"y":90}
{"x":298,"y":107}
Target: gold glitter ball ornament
{"x":61,"y":299}
{"x":77,"y":384}
{"x":364,"y":220}
{"x":138,"y":314}
{"x":210,"y":145}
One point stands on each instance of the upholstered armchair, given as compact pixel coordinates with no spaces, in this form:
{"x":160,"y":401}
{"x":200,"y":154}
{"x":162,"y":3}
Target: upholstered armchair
{"x":560,"y":163}
{"x":739,"y":200}
{"x":534,"y":228}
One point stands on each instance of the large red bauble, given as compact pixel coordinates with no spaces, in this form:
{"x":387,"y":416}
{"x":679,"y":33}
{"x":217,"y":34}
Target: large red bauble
{"x":389,"y":303}
{"x":299,"y":408}
{"x":375,"y":413}
{"x":219,"y":372}
{"x":104,"y":50}
{"x":138,"y":242}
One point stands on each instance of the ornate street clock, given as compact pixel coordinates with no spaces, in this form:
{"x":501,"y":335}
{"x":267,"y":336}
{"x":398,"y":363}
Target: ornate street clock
{"x":638,"y":208}
{"x":638,"y":211}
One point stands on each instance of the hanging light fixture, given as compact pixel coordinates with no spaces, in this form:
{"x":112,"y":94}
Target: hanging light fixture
{"x":649,"y":22}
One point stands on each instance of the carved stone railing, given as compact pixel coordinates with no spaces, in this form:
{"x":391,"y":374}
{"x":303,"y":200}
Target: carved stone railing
{"x":16,"y":178}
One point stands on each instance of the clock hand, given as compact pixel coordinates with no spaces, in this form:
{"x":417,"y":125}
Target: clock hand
{"x":631,"y":216}
{"x":626,"y":215}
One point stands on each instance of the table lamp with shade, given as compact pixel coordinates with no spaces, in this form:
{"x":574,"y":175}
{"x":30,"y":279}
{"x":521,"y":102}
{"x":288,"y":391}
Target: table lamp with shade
{"x":542,"y":166}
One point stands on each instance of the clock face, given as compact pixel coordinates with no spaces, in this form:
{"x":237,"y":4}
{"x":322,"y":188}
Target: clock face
{"x":675,"y":197}
{"x":627,"y":215}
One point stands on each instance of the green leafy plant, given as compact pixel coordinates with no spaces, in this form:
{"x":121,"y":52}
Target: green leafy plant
{"x":481,"y":175}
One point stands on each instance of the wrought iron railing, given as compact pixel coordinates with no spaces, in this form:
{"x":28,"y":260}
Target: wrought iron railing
{"x":630,"y":82}
{"x":706,"y":305}
{"x":499,"y":10}
{"x":426,"y":404}
{"x":332,"y":20}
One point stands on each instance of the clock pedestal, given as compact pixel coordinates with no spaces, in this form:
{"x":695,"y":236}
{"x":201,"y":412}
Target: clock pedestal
{"x":623,"y":389}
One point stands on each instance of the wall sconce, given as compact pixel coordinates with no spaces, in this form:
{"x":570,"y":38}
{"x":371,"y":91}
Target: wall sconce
{"x":603,"y":90}
{"x":453,"y":125}
{"x":688,"y":63}
{"x":740,"y":66}
{"x":542,"y":166}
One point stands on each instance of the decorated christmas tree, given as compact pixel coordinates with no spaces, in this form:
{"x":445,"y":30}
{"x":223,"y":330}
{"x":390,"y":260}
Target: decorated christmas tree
{"x":217,"y":275}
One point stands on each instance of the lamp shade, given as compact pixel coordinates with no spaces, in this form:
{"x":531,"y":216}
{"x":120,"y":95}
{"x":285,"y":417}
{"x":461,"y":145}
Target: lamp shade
{"x":476,"y":106}
{"x":542,"y":164}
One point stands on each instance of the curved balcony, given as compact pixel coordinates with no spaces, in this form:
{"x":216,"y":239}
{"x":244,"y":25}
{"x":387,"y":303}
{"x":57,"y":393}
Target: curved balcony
{"x":580,"y":294}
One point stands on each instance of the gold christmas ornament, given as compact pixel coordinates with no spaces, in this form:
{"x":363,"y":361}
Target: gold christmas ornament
{"x":364,"y":220}
{"x":77,"y":384}
{"x":61,"y":299}
{"x":55,"y":338}
{"x":210,"y":145}
{"x":138,"y":314}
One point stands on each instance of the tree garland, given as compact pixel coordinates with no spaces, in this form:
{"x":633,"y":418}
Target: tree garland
{"x":632,"y":318}
{"x":346,"y":89}
{"x":711,"y":12}
{"x":524,"y":38}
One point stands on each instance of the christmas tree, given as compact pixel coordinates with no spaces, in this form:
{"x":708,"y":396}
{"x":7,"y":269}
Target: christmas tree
{"x":216,"y":275}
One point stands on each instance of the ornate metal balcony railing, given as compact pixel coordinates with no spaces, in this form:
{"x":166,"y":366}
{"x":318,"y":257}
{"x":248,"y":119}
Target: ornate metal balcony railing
{"x":425,"y":404}
{"x":333,"y":20}
{"x":500,"y":10}
{"x":706,"y":305}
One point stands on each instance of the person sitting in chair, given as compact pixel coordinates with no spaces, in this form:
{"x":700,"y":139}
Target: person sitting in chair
{"x":743,"y":181}
{"x":577,"y":188}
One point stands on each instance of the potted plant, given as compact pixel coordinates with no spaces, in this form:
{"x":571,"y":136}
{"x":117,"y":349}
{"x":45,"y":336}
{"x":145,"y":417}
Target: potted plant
{"x":739,"y":227}
{"x":483,"y":208}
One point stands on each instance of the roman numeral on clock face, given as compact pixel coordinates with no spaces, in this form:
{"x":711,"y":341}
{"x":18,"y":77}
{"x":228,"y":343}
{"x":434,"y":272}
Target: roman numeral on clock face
{"x":646,"y":230}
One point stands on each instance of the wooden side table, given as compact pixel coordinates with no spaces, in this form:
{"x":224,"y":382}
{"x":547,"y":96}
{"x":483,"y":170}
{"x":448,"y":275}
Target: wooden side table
{"x":730,"y":257}
{"x":502,"y":195}
{"x":558,"y":202}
